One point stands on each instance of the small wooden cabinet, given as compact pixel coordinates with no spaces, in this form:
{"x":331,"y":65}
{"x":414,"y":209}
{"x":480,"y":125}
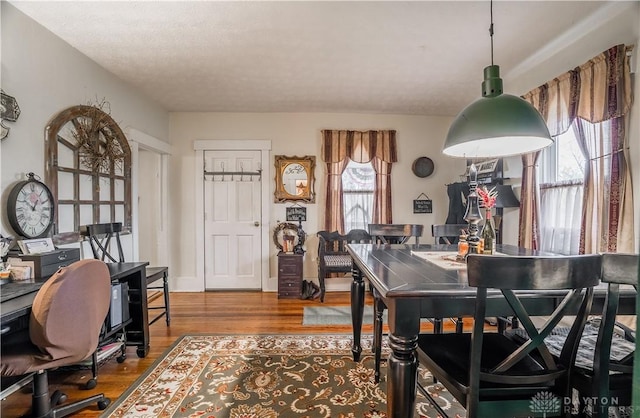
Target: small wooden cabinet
{"x":289,"y":276}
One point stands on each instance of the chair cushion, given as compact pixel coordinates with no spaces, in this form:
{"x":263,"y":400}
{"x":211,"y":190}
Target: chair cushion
{"x":337,"y":260}
{"x":620,"y":348}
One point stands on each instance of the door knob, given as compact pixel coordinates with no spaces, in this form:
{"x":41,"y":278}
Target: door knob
{"x":256,"y":223}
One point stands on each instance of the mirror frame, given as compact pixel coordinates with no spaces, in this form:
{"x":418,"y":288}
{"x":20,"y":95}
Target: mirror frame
{"x":308,"y":162}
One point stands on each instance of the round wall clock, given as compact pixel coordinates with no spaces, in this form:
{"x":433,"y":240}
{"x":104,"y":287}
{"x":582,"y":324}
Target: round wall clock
{"x":30,"y":208}
{"x":422,"y":167}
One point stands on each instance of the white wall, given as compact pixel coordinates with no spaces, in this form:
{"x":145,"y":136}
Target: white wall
{"x":299,"y":134}
{"x":46,"y":76}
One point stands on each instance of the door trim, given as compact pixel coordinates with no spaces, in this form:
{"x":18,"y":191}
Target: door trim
{"x":140,"y":140}
{"x":202,"y":145}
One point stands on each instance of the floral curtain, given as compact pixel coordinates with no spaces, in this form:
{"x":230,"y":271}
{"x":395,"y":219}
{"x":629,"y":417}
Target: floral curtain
{"x":340,"y":146}
{"x":596,"y":96}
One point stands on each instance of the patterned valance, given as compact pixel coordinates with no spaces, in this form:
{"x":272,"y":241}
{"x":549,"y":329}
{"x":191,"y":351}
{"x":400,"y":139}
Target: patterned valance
{"x":358,"y":146}
{"x":596,"y":91}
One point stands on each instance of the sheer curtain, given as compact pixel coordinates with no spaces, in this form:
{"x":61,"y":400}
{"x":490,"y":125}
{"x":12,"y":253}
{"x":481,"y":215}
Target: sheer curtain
{"x":338,"y":147}
{"x":560,"y":228}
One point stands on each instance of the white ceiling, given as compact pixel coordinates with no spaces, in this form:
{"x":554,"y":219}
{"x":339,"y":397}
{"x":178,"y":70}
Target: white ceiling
{"x":418,"y":57}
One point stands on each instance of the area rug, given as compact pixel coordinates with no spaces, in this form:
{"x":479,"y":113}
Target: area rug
{"x":335,"y":315}
{"x":266,"y":376}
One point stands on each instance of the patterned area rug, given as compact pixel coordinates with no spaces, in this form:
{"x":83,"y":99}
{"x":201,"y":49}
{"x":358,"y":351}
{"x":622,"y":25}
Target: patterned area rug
{"x":266,"y":376}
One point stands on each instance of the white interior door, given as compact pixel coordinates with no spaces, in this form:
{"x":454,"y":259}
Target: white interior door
{"x":232,"y":213}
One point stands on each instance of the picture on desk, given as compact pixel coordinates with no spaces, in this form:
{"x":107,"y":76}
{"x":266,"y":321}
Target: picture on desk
{"x":36,"y":246}
{"x":20,"y":273}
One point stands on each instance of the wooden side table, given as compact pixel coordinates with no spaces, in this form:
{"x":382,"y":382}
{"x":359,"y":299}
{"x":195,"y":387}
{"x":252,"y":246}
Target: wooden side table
{"x":289,"y":276}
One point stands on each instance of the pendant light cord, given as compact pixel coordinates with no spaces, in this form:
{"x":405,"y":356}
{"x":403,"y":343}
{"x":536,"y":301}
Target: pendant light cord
{"x":491,"y":29}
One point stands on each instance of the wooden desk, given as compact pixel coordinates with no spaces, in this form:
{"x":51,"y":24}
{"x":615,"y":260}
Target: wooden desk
{"x":413,"y":288}
{"x":134,"y":274}
{"x":15,"y":312}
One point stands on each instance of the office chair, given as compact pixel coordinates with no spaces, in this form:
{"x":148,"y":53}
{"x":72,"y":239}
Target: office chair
{"x":66,"y":318}
{"x":100,"y":238}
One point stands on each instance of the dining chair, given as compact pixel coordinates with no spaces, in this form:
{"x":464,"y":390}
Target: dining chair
{"x":390,"y":234}
{"x":603,"y":371}
{"x":395,"y":233}
{"x":65,"y":324}
{"x":332,"y":253}
{"x":488,"y":372}
{"x":447,"y":233}
{"x":105,"y":243}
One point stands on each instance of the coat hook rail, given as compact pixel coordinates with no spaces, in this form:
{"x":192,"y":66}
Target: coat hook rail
{"x":235,"y":173}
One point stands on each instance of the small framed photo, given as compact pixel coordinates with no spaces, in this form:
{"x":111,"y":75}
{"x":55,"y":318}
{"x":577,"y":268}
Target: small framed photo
{"x":36,"y":246}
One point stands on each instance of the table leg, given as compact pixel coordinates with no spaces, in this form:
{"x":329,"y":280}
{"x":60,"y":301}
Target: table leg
{"x":402,"y":376}
{"x":357,"y":311}
{"x":378,"y":307}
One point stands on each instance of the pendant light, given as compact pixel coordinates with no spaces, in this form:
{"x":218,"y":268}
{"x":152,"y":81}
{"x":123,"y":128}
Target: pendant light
{"x":497,"y":124}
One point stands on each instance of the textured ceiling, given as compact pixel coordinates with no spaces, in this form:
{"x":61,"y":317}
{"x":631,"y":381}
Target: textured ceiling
{"x":419,"y":57}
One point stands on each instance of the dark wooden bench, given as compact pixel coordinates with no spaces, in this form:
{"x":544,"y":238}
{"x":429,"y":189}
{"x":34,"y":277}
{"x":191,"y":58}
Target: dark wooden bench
{"x":332,"y":253}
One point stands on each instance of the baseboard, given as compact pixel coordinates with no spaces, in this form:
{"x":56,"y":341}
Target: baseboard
{"x":192,"y":284}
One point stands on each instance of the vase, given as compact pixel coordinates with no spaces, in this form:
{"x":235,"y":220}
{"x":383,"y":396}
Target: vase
{"x":489,"y":234}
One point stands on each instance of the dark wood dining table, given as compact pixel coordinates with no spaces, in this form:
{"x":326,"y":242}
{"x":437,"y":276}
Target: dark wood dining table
{"x":413,"y":287}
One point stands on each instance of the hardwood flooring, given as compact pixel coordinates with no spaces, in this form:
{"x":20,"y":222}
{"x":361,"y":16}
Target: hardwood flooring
{"x":209,"y":312}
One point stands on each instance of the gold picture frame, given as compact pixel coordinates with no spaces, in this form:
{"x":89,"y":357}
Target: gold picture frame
{"x":295,"y":179}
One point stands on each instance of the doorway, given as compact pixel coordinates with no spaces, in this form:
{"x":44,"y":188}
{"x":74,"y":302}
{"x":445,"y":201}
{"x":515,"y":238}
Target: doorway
{"x":232,"y":206}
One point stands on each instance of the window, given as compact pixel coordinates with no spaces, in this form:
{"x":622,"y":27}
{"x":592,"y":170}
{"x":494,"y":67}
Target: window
{"x":88,"y":169}
{"x":358,"y":184}
{"x":561,"y":172}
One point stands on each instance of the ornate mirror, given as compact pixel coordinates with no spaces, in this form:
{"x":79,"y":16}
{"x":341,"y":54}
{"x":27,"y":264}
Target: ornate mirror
{"x":295,"y":178}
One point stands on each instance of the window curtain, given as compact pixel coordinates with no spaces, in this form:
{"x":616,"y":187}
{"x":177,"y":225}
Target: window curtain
{"x":597,"y":96}
{"x":340,"y":146}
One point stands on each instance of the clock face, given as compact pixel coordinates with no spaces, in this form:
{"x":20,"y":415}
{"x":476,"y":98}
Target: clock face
{"x":31,"y":209}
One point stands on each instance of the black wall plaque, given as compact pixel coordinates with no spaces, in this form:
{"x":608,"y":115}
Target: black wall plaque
{"x":423,"y":206}
{"x":296,"y":213}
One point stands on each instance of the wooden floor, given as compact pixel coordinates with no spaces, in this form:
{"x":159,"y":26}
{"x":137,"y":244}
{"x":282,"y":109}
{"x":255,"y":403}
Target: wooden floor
{"x":210,"y":312}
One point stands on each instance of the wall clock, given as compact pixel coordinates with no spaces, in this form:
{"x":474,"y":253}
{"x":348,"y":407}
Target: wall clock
{"x":30,"y":208}
{"x":422,"y":167}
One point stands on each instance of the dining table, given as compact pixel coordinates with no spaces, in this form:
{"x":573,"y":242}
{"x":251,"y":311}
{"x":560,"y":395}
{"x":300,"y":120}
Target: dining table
{"x":427,"y":281}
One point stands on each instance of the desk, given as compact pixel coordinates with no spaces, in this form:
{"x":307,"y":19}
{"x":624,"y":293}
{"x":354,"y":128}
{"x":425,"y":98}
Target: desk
{"x":14,"y":313}
{"x":414,"y":288}
{"x":134,"y":274}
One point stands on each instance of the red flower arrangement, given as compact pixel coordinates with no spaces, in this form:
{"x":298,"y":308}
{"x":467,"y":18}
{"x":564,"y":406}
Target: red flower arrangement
{"x":487,"y":197}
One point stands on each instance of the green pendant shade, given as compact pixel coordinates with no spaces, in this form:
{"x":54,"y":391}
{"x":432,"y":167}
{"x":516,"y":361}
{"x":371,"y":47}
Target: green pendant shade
{"x":496,"y":125}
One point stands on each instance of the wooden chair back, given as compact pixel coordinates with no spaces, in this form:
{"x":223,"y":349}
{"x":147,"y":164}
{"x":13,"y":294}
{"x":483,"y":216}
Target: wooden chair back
{"x":447,"y":233}
{"x":395,"y":233}
{"x":491,"y":373}
{"x":611,"y":373}
{"x":100,"y":238}
{"x":332,"y":253}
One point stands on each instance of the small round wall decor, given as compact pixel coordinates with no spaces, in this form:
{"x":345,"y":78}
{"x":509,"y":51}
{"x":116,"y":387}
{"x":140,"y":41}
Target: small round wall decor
{"x":422,"y":167}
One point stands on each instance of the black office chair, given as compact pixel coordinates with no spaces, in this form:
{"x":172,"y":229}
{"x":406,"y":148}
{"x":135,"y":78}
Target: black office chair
{"x":488,"y":372}
{"x":100,"y":238}
{"x":66,"y":318}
